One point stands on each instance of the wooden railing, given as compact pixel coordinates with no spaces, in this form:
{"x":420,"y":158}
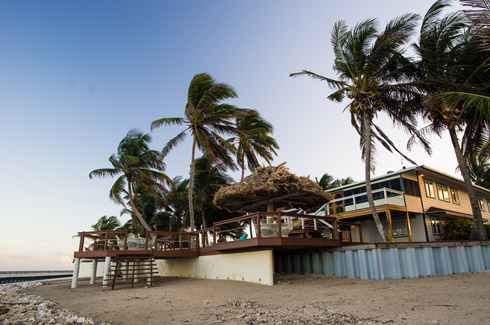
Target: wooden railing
{"x":277,"y":224}
{"x":122,"y":240}
{"x":171,"y":241}
{"x":256,"y":225}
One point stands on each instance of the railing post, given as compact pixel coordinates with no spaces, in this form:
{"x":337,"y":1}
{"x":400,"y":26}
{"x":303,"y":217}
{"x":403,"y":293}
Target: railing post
{"x":258,"y":225}
{"x":386,"y":196}
{"x":146,"y":241}
{"x":125,"y":240}
{"x":214,"y":235}
{"x":106,"y":240}
{"x":180,"y":242}
{"x":82,"y":240}
{"x":279,"y":224}
{"x":335,"y":225}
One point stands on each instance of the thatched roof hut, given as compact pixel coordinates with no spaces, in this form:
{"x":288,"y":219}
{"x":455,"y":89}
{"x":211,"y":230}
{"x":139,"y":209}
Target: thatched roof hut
{"x":269,"y":188}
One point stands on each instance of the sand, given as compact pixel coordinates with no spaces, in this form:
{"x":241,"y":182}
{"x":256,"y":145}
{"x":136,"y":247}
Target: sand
{"x":294,"y":299}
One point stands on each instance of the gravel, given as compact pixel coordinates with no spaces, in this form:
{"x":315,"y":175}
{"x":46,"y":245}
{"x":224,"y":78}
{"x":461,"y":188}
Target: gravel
{"x":17,"y":307}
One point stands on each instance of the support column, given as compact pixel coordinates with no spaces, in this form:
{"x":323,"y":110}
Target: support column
{"x":76,"y":270}
{"x":94,"y":271}
{"x":409,"y":229}
{"x":107,"y":266}
{"x":390,"y":226}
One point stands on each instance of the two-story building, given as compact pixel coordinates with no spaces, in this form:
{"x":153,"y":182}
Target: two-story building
{"x":412,"y":204}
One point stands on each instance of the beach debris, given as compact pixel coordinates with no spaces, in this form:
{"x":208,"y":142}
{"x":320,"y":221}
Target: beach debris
{"x":30,"y":309}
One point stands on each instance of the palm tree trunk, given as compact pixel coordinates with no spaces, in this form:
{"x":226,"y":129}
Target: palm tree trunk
{"x":479,"y":232}
{"x":367,"y":165}
{"x":191,"y":184}
{"x":133,"y":206}
{"x":243,"y":169}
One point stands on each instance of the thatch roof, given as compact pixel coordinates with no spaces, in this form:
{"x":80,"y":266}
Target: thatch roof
{"x":268,"y":185}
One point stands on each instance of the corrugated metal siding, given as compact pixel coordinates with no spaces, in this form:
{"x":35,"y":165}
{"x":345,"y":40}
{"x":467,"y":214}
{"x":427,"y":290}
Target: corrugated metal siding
{"x":369,"y":262}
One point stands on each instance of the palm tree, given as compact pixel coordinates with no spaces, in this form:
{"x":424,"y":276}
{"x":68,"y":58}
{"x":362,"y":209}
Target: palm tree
{"x":452,"y":60}
{"x":106,"y":223}
{"x":206,"y":119}
{"x":479,"y":17}
{"x":140,"y":167}
{"x":372,"y":71}
{"x":254,"y":140}
{"x":328,"y":182}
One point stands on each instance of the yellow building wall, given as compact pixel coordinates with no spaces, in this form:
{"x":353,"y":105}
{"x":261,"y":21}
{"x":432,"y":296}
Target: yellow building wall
{"x":256,"y":267}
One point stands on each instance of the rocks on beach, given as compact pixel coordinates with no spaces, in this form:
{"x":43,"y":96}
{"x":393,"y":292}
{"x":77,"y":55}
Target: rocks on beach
{"x":17,"y":307}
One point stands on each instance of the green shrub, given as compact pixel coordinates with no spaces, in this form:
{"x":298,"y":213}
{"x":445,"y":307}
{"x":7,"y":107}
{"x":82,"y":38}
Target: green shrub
{"x":459,"y":229}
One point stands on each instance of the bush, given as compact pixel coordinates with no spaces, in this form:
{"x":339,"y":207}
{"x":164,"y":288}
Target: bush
{"x":460,"y":229}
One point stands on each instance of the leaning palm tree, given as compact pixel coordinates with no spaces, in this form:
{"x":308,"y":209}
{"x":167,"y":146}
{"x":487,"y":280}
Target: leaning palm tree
{"x":139,"y":166}
{"x":372,"y":72}
{"x":453,"y":60}
{"x":206,"y":120}
{"x":254,"y":140}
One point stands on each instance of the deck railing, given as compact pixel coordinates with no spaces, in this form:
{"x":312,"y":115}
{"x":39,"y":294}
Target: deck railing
{"x":274,"y":224}
{"x":106,"y":240}
{"x":255,"y":225}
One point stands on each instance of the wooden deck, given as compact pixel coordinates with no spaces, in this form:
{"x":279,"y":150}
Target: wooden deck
{"x":272,"y":230}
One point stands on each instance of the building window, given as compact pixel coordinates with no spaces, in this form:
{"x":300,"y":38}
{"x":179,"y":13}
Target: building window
{"x":455,"y":195}
{"x":411,"y":187}
{"x":399,"y":227}
{"x":480,"y":202}
{"x":429,"y":189}
{"x":436,"y":226}
{"x":443,"y":192}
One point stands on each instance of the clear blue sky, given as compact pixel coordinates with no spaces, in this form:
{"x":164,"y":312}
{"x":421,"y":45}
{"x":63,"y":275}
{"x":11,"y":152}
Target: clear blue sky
{"x":75,"y":76}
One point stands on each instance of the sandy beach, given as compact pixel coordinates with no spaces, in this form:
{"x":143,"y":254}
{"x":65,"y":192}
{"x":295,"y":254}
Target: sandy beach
{"x":294,"y":299}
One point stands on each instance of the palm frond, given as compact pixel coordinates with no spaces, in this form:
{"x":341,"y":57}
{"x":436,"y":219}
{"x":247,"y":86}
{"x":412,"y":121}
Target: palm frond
{"x":167,"y":121}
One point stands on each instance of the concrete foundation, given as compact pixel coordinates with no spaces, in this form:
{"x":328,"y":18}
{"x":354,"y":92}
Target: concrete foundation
{"x":256,"y":267}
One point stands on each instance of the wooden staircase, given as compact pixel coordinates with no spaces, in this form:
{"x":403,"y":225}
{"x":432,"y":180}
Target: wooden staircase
{"x":133,"y":269}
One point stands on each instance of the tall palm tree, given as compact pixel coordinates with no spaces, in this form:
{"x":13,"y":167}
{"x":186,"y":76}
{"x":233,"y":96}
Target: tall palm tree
{"x":206,"y":120}
{"x":372,"y":73}
{"x":139,"y":166}
{"x":106,"y":223}
{"x":254,"y":140}
{"x":451,"y":59}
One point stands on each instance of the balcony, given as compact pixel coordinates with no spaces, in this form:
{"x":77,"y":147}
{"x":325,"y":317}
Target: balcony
{"x":383,"y":196}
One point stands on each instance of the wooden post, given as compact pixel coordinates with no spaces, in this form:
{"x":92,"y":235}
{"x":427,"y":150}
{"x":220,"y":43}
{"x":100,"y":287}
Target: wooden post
{"x":82,"y":240}
{"x":360,"y":233}
{"x":106,"y":240}
{"x":214,"y":235}
{"x":279,"y":223}
{"x":125,"y":241}
{"x":409,"y":229}
{"x":335,"y":229}
{"x":76,"y":269}
{"x":258,"y":225}
{"x":390,"y":226}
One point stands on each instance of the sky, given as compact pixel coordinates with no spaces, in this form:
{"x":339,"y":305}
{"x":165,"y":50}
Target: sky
{"x":76,"y":76}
